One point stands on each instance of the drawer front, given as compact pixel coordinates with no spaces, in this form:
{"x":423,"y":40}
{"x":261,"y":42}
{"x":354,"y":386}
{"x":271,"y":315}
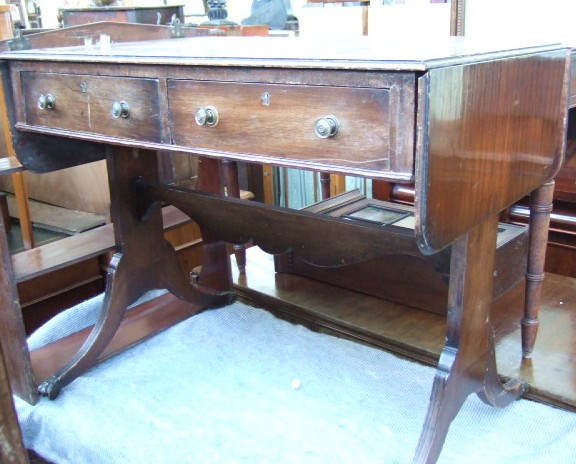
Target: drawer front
{"x":278,"y":121}
{"x":85,"y":104}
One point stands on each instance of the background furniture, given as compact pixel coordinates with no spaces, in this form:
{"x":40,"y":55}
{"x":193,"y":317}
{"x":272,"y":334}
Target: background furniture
{"x":419,"y":281}
{"x":160,"y":15}
{"x":9,"y":165}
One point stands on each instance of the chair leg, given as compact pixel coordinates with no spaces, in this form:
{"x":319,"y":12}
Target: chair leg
{"x":21,"y":194}
{"x":325,"y":185}
{"x":540,"y":209}
{"x":5,"y":212}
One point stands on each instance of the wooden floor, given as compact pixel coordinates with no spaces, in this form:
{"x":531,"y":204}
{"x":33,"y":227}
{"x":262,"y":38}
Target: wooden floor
{"x":419,"y":335}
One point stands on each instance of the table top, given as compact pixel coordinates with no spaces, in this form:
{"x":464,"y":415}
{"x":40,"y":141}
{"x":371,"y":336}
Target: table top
{"x":358,"y":53}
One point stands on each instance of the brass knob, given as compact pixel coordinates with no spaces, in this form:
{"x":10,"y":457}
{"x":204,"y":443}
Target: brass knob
{"x":46,"y":102}
{"x":326,"y":127}
{"x":120,"y":109}
{"x":206,"y":116}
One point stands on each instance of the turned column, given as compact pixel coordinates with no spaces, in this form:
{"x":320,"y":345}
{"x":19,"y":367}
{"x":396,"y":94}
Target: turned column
{"x":540,"y":209}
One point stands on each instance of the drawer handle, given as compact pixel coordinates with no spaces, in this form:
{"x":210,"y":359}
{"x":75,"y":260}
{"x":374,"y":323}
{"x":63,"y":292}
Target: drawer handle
{"x":46,"y":102}
{"x":327,"y":127}
{"x":120,"y":109}
{"x":206,"y":116}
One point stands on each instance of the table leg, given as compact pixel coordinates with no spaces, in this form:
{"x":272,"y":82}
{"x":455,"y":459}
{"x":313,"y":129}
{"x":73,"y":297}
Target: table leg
{"x":216,"y":272}
{"x":12,"y":331}
{"x":540,"y":209}
{"x":12,"y":450}
{"x":143,"y":261}
{"x":230,"y":173}
{"x":325,"y":185}
{"x":467,"y":364}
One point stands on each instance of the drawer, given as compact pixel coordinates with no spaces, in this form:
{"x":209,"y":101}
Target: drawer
{"x":276,"y":123}
{"x":84,"y":104}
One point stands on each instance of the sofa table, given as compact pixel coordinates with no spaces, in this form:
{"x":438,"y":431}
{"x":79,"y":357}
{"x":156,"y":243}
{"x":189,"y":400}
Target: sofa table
{"x":474,"y":125}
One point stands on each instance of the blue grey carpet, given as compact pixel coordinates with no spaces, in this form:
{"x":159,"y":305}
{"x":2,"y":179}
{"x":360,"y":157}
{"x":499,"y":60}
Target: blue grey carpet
{"x":237,"y":385}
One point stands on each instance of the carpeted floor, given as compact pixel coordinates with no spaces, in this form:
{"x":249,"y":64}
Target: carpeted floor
{"x":237,"y":385}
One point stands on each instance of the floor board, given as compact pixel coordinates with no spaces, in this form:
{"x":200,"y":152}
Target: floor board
{"x":57,"y":219}
{"x":419,"y":335}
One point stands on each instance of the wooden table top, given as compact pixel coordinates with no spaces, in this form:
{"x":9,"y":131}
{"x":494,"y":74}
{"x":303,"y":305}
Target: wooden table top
{"x":357,"y":53}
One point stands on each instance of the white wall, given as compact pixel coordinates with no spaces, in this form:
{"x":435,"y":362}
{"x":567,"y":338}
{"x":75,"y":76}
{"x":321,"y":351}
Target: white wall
{"x":549,"y":19}
{"x":552,"y":20}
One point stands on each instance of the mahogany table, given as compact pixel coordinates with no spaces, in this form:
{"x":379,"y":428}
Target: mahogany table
{"x":474,"y":125}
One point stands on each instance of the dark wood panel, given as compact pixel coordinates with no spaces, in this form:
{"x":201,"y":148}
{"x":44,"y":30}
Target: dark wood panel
{"x":561,"y":257}
{"x":48,"y":305}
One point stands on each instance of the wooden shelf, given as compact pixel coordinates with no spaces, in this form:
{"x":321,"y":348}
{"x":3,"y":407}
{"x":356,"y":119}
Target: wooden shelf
{"x":76,"y":248}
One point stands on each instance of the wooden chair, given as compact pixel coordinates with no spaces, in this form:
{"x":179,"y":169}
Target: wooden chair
{"x":10,"y":165}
